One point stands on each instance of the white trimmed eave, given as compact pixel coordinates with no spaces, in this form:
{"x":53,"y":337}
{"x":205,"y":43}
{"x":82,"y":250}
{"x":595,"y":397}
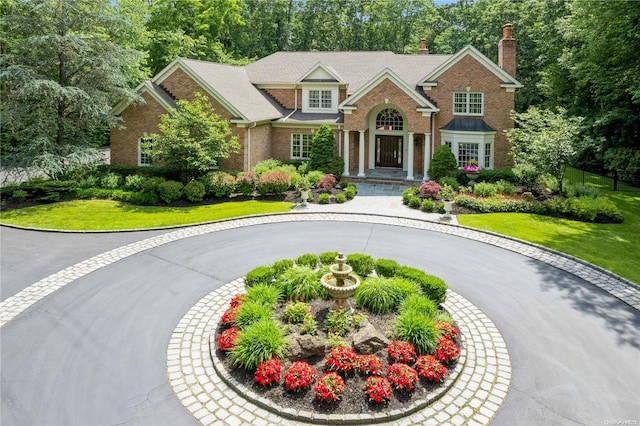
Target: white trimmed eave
{"x":508,"y":81}
{"x":309,"y":125}
{"x":424,"y":106}
{"x":328,"y":70}
{"x":464,"y":132}
{"x":179,"y":64}
{"x":144,"y":87}
{"x":241,"y":123}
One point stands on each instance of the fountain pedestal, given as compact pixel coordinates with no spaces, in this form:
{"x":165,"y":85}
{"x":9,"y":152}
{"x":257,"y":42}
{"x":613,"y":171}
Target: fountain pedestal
{"x":340,"y":283}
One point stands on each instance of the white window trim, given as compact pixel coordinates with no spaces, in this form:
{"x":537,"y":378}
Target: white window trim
{"x":329,"y":88}
{"x":140,"y":163}
{"x":467,"y":113}
{"x":299,"y":137}
{"x":481,"y":138}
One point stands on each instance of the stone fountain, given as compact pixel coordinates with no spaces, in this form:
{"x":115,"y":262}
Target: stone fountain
{"x":340,"y":283}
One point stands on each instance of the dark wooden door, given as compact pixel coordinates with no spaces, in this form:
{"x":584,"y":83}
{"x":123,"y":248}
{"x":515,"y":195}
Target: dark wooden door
{"x":388,"y":151}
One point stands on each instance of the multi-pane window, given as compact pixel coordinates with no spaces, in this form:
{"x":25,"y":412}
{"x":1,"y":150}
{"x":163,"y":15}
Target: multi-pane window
{"x":320,"y":99}
{"x":467,"y":103}
{"x":389,"y":119}
{"x":466,"y":152}
{"x":145,"y":145}
{"x":487,"y":156}
{"x":301,"y":146}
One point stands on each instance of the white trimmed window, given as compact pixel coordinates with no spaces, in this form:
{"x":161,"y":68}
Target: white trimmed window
{"x":466,"y":103}
{"x":301,"y":146}
{"x":320,"y":99}
{"x":488,"y":156}
{"x":467,"y":151}
{"x":470,"y":145}
{"x":145,"y":144}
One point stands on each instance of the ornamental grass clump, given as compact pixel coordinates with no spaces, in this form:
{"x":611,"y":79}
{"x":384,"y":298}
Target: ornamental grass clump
{"x":300,"y":283}
{"x":430,"y":368}
{"x":268,"y":372}
{"x":417,"y":329}
{"x":341,"y":359}
{"x":268,"y":295}
{"x":309,"y":259}
{"x":259,"y":342}
{"x":406,"y":288}
{"x":370,"y":365}
{"x":299,"y":376}
{"x":252,"y":312}
{"x":401,"y":352}
{"x":295,"y":313}
{"x":378,"y":295}
{"x":378,"y":389}
{"x":418,"y":304}
{"x":402,"y":377}
{"x":330,"y":388}
{"x":328,"y":257}
{"x":282,"y":265}
{"x":260,"y":275}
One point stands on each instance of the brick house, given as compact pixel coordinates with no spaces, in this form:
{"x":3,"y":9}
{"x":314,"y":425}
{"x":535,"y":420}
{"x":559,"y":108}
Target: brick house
{"x":387,"y":110}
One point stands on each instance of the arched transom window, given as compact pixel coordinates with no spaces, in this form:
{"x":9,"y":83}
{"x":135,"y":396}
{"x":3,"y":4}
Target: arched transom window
{"x":389,"y":119}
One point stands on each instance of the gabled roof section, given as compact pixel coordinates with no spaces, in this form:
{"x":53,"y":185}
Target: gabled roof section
{"x":321,"y":73}
{"x":155,"y":91}
{"x":229,"y":85}
{"x":387,"y":74}
{"x":505,"y":77}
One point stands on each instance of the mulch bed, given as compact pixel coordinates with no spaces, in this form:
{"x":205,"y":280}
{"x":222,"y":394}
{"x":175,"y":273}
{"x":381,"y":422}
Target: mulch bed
{"x":354,"y":400}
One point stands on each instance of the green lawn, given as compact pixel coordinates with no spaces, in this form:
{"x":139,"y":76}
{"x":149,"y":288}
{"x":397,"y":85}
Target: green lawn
{"x":104,"y":215}
{"x":611,"y":246}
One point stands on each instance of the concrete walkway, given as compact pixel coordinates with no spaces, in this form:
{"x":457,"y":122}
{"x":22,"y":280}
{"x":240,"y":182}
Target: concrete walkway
{"x":87,"y":344}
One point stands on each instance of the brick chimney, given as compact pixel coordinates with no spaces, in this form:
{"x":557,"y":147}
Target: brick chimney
{"x":507,"y":51}
{"x":423,"y":47}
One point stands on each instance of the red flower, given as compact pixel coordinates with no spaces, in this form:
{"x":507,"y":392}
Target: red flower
{"x":229,"y":316}
{"x":378,"y":389}
{"x":329,"y":388}
{"x":402,"y":376}
{"x":300,"y":375}
{"x":446,"y":350}
{"x":370,"y":364}
{"x":430,"y":368}
{"x":402,"y":351}
{"x":227,"y":339}
{"x":268,"y":372}
{"x":341,"y":358}
{"x":446,"y":329}
{"x":237,"y":300}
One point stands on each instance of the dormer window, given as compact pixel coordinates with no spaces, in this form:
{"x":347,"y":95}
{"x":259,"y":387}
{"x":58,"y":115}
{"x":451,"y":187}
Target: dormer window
{"x":320,"y":99}
{"x":466,"y":103}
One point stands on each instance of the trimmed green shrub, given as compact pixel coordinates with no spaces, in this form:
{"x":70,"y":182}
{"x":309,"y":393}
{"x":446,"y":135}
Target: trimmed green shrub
{"x":324,"y":152}
{"x":499,"y":205}
{"x":432,"y":287}
{"x":219,"y":184}
{"x":251,"y":312}
{"x":335,"y":340}
{"x":19,"y":195}
{"x":417,"y":329}
{"x":309,"y":259}
{"x":526,"y":175}
{"x":406,"y":288}
{"x":350,"y":192}
{"x":420,"y":304}
{"x":246,"y":183}
{"x":295,"y":313}
{"x":134,"y":182}
{"x":259,"y":342}
{"x":443,"y":316}
{"x":443,"y":164}
{"x":194,"y":191}
{"x":266,"y":294}
{"x":152,"y":184}
{"x":415,"y":202}
{"x":362,"y":264}
{"x":328,"y":257}
{"x":505,"y":187}
{"x":121,"y":195}
{"x":324,"y":198}
{"x":586,"y":208}
{"x":451,"y":181}
{"x":340,"y":198}
{"x":309,"y":325}
{"x":427,"y":205}
{"x":111,"y":181}
{"x":343,"y":184}
{"x":260,"y":275}
{"x":90,"y":181}
{"x":581,"y":191}
{"x":338,"y":322}
{"x":300,"y":283}
{"x":314,"y":177}
{"x":485,"y":189}
{"x":144,"y":198}
{"x":282,"y":265}
{"x":378,"y":295}
{"x":275,"y":182}
{"x":495,"y":175}
{"x":386,"y":267}
{"x":170,"y":190}
{"x":266,"y":166}
{"x":408,"y":193}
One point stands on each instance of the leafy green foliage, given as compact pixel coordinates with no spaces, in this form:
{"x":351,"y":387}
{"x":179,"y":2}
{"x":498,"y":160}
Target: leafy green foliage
{"x":134,"y":182}
{"x":251,"y":312}
{"x":192,"y":138}
{"x":362,"y":264}
{"x":296,"y":312}
{"x":499,"y":204}
{"x":485,"y":189}
{"x":309,"y":259}
{"x":324,"y":152}
{"x":340,"y":198}
{"x":300,"y":283}
{"x":309,"y":325}
{"x":259,"y":342}
{"x":328,"y":257}
{"x":111,"y":181}
{"x":265,"y":294}
{"x":378,"y":295}
{"x":415,"y":202}
{"x":586,"y":208}
{"x":427,"y":205}
{"x":282,"y":265}
{"x":324,"y":198}
{"x":273,"y":182}
{"x":194,"y":191}
{"x":443,"y":164}
{"x":219,"y":184}
{"x":418,"y":329}
{"x":260,"y":275}
{"x":170,"y":190}
{"x":386,"y":267}
{"x":420,"y":304}
{"x":246,"y":183}
{"x":338,"y":322}
{"x":408,"y":193}
{"x":432,"y":287}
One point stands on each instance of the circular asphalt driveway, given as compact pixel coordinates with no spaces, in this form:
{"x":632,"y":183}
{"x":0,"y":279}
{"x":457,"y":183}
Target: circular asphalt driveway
{"x":93,"y":352}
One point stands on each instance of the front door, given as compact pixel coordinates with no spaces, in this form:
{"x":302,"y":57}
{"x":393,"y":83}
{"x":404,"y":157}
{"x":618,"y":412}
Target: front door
{"x":388,"y":151}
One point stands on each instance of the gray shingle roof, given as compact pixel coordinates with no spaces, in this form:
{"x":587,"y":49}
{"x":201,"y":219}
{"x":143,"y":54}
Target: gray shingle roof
{"x":468,"y":125}
{"x":233,"y":84}
{"x":356,"y":68}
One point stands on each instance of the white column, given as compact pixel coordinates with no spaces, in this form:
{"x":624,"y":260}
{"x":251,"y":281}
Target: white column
{"x":345,"y":153}
{"x":427,"y":156}
{"x":410,"y":157}
{"x":361,"y":155}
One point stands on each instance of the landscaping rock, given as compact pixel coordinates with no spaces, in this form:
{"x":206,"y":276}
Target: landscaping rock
{"x":302,"y":346}
{"x":368,"y":339}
